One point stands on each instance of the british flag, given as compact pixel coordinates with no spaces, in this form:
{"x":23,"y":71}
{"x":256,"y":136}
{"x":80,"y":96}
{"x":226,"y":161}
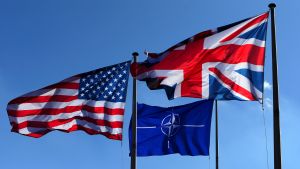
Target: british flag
{"x":226,"y":63}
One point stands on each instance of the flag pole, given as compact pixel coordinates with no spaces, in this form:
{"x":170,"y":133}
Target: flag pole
{"x":217,"y":137}
{"x":133,"y":118}
{"x":276,"y":115}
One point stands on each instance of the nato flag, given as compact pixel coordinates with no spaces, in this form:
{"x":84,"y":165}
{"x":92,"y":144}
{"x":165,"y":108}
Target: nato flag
{"x":182,"y":129}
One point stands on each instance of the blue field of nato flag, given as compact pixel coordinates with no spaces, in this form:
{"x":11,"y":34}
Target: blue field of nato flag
{"x":181,"y":129}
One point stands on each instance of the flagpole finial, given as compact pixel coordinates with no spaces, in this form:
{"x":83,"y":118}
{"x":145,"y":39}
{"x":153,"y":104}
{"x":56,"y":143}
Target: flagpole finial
{"x":272,"y":5}
{"x":135,"y":54}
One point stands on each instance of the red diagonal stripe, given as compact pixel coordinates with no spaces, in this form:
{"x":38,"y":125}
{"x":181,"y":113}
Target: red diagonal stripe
{"x":253,"y":22}
{"x":233,"y":86}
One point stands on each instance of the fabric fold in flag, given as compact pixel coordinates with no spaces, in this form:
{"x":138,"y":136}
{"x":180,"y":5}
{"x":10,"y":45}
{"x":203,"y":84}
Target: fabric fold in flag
{"x":93,"y":102}
{"x":181,"y":129}
{"x":226,"y":63}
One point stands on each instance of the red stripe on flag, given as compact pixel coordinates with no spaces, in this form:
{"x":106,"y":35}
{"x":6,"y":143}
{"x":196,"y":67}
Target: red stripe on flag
{"x":54,"y":123}
{"x":41,"y":99}
{"x":67,"y":109}
{"x":234,"y":54}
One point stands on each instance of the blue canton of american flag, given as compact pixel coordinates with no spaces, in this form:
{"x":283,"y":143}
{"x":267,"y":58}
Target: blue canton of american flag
{"x":93,"y":102}
{"x":108,"y":83}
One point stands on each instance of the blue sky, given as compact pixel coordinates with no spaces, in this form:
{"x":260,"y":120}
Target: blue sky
{"x":43,"y":42}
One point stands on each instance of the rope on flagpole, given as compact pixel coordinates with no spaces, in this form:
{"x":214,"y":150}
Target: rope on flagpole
{"x":266,"y":139}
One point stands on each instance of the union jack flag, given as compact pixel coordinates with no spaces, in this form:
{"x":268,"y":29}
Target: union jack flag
{"x":226,"y":63}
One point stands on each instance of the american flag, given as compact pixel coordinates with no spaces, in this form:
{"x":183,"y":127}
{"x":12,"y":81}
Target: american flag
{"x":93,"y":102}
{"x":226,"y":63}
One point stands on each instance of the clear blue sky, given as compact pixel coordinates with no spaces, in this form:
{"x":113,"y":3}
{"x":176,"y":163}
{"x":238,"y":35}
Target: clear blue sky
{"x":43,"y":42}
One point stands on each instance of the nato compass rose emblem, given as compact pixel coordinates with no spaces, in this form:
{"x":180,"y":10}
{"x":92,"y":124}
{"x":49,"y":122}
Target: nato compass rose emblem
{"x":170,"y":125}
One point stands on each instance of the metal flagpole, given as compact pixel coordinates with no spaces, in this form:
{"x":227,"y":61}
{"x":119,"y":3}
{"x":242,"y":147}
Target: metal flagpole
{"x":217,"y":137}
{"x":276,"y":120}
{"x":133,"y":118}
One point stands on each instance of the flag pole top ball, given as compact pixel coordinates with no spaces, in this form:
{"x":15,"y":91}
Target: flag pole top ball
{"x":135,"y":54}
{"x":272,"y":5}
